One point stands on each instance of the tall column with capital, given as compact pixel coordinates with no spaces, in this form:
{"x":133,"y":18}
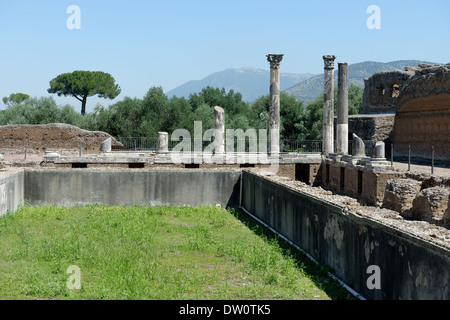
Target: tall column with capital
{"x":328,"y":105}
{"x":274,"y":110}
{"x":342,"y":110}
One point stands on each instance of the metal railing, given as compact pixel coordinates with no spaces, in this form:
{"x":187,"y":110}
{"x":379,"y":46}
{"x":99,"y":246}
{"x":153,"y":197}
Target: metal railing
{"x":303,"y":146}
{"x":286,"y":145}
{"x":136,"y":144}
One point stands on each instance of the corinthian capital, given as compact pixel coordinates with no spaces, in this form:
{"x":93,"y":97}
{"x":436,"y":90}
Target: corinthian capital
{"x":274,"y":60}
{"x":328,"y":61}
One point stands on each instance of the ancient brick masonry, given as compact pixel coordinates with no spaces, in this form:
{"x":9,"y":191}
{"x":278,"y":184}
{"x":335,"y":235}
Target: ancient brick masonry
{"x":53,"y":136}
{"x":423,"y":113}
{"x":382,"y":90}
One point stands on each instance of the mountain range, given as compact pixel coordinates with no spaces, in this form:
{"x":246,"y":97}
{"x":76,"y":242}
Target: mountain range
{"x":253,"y":82}
{"x":312,"y":87}
{"x":250,"y":82}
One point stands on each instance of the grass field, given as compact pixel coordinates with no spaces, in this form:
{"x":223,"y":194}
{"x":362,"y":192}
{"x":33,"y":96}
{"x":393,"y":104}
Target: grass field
{"x":151,"y":253}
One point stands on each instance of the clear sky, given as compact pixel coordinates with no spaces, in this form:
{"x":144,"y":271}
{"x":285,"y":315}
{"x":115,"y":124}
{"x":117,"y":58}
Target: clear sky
{"x":169,"y":42}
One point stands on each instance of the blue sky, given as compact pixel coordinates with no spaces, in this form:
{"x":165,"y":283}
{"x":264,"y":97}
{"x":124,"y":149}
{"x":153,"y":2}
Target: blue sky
{"x":167,"y":43}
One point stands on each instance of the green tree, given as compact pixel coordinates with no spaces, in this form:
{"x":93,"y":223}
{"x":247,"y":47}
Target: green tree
{"x":15,"y":98}
{"x":32,"y":111}
{"x":125,"y":118}
{"x":355,"y":99}
{"x":314,"y":110}
{"x":292,"y":116}
{"x":83,"y":84}
{"x":156,"y":111}
{"x":230,"y":101}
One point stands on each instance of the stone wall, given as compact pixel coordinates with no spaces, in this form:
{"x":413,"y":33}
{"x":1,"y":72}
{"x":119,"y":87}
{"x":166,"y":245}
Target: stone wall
{"x":50,"y":137}
{"x":132,"y":187}
{"x":365,"y":183}
{"x":11,"y":190}
{"x":423,"y":114}
{"x":382,"y":89}
{"x":419,"y":198}
{"x":411,"y":268}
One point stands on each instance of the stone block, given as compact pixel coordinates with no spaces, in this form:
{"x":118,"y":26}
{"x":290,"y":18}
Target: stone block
{"x":430,"y":204}
{"x":399,"y":195}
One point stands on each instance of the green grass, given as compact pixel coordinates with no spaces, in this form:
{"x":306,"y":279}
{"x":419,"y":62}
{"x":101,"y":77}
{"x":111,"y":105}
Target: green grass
{"x":151,"y":253}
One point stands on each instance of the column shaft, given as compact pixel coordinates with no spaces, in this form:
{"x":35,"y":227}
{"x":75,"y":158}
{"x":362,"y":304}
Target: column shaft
{"x":274,"y":110}
{"x":328,"y":106}
{"x":342,"y":110}
{"x":219,"y":130}
{"x":163,"y":142}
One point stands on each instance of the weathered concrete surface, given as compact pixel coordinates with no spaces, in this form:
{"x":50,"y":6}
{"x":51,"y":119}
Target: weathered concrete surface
{"x":127,"y":187}
{"x":410,"y":268}
{"x":11,"y":190}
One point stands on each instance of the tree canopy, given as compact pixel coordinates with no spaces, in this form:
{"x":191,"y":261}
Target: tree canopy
{"x":83,"y":84}
{"x":144,"y":117}
{"x":15,"y":98}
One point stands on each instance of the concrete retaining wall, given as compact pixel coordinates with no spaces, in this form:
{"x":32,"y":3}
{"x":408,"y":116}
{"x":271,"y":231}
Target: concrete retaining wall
{"x":127,"y":187}
{"x":410,"y":268}
{"x":11,"y":191}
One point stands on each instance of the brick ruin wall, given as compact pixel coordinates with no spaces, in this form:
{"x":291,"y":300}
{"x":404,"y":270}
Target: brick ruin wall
{"x":382,"y":90}
{"x":422,"y":120}
{"x":50,"y":137}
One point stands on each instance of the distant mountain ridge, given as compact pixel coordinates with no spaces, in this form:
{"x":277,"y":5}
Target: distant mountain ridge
{"x":250,"y":82}
{"x":312,"y":87}
{"x":253,"y":82}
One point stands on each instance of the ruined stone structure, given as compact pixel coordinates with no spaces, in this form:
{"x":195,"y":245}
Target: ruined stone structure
{"x":219,"y":130}
{"x":163,"y":142}
{"x":418,"y":99}
{"x":422,"y":120}
{"x":105,"y":146}
{"x":274,"y":120}
{"x":53,"y":137}
{"x":382,"y":90}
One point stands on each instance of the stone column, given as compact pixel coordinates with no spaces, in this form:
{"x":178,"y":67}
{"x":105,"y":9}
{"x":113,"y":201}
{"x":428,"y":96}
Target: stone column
{"x":163,"y":142}
{"x":219,"y":130}
{"x":105,"y":146}
{"x":358,"y":148}
{"x":328,"y":105}
{"x":274,"y":110}
{"x":342,"y":110}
